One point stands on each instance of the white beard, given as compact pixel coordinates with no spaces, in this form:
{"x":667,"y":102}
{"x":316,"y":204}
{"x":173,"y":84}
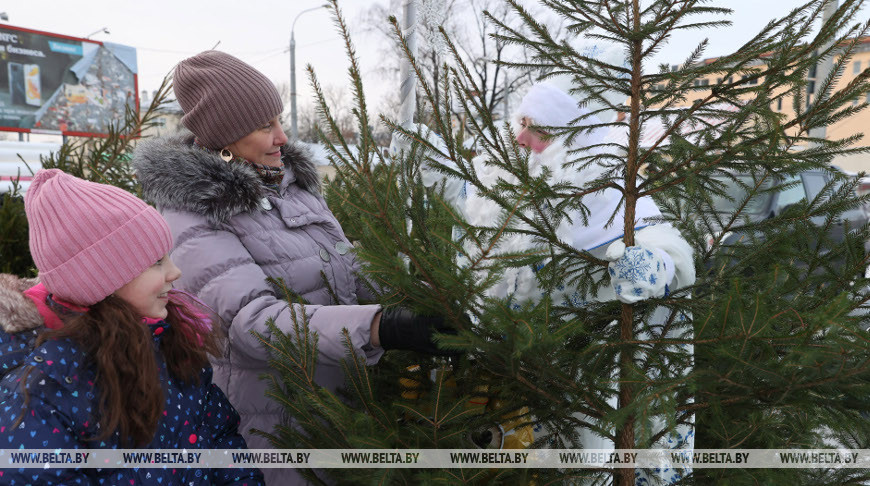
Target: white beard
{"x":481,"y":211}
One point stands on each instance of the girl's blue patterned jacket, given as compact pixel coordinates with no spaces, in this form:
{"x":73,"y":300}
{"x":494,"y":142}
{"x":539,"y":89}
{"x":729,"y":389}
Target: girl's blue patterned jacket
{"x":63,"y":407}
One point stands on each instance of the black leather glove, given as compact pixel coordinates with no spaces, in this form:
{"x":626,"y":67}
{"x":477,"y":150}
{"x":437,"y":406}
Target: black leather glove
{"x":401,"y":328}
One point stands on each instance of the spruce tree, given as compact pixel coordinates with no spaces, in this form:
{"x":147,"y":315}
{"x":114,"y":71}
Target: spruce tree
{"x":775,"y":319}
{"x":102,"y":159}
{"x":14,"y":247}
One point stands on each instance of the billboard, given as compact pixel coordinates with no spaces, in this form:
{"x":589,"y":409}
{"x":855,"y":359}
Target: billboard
{"x":51,"y":83}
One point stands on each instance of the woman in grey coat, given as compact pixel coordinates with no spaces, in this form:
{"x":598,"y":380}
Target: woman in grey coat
{"x":243,"y":205}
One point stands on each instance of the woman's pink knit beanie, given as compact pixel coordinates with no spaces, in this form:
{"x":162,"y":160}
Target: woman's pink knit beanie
{"x":88,"y":239}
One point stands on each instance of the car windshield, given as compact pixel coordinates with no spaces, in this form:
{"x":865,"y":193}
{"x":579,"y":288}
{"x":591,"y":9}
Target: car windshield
{"x":737,"y":195}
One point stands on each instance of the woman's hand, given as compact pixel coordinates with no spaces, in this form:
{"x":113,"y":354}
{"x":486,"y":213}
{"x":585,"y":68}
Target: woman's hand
{"x":400,"y":328}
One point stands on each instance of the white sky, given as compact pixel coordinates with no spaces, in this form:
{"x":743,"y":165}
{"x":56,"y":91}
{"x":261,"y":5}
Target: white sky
{"x":258,"y":31}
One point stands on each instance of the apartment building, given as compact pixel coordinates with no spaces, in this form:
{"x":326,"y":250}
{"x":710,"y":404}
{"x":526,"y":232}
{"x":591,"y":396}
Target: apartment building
{"x":859,"y":123}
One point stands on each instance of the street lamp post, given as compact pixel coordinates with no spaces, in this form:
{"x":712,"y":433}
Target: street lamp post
{"x":408,"y":81}
{"x":294,"y":130}
{"x":823,"y":69}
{"x":104,"y":30}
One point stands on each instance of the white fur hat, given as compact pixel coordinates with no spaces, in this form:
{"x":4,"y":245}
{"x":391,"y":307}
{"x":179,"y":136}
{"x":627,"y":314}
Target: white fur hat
{"x":547,"y":105}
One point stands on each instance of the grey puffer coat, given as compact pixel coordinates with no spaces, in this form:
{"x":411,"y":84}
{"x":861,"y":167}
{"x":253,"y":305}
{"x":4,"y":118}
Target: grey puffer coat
{"x":230,"y":233}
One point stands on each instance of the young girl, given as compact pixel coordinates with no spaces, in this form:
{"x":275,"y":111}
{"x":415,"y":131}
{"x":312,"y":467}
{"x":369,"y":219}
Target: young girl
{"x":102,"y":353}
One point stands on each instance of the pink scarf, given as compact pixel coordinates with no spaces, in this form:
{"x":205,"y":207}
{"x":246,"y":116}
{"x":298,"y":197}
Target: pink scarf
{"x":39,"y":295}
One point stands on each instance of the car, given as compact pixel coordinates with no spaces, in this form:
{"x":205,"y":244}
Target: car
{"x":864,"y":189}
{"x":804,"y":186}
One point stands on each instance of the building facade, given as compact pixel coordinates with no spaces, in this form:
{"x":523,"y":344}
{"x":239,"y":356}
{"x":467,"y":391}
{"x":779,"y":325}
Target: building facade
{"x":858,"y":123}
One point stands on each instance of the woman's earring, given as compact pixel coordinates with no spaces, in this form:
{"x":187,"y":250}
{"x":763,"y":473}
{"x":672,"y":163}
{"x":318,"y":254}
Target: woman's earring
{"x":226,"y":155}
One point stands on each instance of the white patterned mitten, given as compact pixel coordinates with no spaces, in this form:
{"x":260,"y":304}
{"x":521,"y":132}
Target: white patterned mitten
{"x":636,"y":273}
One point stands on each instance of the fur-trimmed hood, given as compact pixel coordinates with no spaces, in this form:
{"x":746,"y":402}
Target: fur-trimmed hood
{"x":17,"y":312}
{"x":177,"y":175}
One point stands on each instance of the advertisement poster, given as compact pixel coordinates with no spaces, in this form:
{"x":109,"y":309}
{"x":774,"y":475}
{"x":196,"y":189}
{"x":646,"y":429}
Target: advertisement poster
{"x":56,"y":83}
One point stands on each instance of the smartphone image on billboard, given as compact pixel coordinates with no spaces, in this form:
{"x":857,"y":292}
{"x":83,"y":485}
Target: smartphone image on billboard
{"x":33,"y":93}
{"x":16,"y":83}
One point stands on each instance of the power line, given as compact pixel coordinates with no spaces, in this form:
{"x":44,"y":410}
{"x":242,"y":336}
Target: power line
{"x":238,"y":53}
{"x":169,"y":51}
{"x":283,"y":50}
{"x":320,"y":42}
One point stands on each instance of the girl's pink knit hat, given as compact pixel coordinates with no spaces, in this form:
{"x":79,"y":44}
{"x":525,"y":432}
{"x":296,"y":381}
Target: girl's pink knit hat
{"x":88,"y":239}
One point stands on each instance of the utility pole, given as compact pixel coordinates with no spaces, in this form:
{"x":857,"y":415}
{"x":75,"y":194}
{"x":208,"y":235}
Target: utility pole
{"x":407,"y":77}
{"x":408,"y":88}
{"x":504,"y":97}
{"x":294,"y":130}
{"x":822,"y":70}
